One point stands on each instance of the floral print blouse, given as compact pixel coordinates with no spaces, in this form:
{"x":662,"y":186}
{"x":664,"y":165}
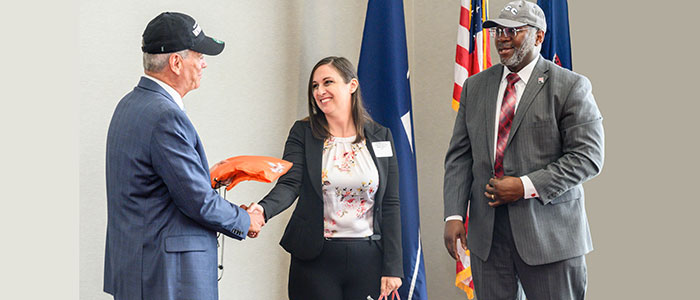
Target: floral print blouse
{"x":349,"y":182}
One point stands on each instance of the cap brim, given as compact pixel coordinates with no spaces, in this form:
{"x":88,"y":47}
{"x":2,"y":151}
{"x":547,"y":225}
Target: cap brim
{"x":502,"y":22}
{"x":209,"y":46}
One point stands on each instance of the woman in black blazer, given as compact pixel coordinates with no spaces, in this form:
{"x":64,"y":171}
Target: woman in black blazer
{"x":344,"y":236}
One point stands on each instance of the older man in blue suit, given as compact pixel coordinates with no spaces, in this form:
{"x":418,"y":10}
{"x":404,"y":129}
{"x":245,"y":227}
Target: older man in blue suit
{"x":162,"y":213}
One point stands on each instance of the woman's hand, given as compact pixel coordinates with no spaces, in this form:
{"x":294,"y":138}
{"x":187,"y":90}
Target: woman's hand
{"x":389,"y":284}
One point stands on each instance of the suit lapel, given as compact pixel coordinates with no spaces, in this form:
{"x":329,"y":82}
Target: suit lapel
{"x":492,"y":93}
{"x":537,"y":80}
{"x":382,"y":166}
{"x":314,"y":157}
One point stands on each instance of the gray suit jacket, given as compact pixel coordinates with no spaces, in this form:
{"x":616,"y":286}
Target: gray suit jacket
{"x":556,"y":140}
{"x":162,"y":214}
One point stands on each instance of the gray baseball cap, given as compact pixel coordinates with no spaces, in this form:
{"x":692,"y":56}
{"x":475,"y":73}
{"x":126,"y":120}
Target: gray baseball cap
{"x":519,"y":13}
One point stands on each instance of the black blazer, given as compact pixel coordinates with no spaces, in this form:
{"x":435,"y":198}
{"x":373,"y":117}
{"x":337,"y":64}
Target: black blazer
{"x":303,"y":237}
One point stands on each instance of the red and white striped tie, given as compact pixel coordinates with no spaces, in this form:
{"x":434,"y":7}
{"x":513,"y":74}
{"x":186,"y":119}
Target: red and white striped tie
{"x":506,"y":120}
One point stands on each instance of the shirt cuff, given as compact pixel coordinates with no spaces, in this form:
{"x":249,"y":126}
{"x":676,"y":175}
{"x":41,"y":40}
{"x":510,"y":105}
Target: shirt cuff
{"x":455,"y":217}
{"x":529,"y":188}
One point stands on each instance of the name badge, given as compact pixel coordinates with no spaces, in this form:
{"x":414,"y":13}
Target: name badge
{"x":382,"y":149}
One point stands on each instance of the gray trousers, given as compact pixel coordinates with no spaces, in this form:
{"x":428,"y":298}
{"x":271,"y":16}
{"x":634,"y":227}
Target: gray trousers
{"x":505,"y":276}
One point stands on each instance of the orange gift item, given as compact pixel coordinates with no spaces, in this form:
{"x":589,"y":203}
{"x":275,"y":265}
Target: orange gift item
{"x":246,"y":167}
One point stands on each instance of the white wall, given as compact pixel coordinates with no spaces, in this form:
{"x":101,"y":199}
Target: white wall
{"x":642,"y":207}
{"x":250,"y":96}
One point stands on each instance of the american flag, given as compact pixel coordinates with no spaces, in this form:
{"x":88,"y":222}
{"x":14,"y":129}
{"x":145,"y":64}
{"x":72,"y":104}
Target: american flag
{"x":463,"y":278}
{"x":473,"y":45}
{"x":473,"y":56}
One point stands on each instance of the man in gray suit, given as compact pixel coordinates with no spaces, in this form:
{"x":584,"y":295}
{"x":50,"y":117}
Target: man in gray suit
{"x":162,"y":214}
{"x":527,"y":135}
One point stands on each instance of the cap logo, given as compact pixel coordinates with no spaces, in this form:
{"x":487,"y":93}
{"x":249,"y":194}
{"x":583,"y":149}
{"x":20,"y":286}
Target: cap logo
{"x":196,"y":29}
{"x":513,"y":10}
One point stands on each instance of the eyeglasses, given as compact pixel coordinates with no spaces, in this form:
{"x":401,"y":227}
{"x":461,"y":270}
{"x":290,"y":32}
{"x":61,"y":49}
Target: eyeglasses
{"x":509,"y":32}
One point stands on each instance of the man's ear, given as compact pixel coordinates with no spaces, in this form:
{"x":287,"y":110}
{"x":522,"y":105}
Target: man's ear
{"x":175,"y":63}
{"x":539,"y":39}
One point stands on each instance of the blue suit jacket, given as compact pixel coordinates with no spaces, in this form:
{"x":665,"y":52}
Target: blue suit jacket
{"x":162,"y":214}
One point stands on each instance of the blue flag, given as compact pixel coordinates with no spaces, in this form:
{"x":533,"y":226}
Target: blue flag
{"x":383,"y":74}
{"x":557,"y":42}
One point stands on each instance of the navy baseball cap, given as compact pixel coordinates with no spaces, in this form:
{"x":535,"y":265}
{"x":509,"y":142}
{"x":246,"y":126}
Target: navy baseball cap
{"x":171,"y":32}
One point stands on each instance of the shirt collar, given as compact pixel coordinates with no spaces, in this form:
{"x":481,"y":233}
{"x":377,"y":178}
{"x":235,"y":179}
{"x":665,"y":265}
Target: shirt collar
{"x":524,"y":73}
{"x":170,"y":90}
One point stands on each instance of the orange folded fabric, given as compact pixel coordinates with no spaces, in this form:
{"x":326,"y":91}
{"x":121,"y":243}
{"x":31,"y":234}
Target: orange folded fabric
{"x":248,"y":167}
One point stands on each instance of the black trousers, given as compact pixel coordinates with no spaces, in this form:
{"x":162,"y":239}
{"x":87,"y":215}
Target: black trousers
{"x":345,"y":270}
{"x":505,"y":276}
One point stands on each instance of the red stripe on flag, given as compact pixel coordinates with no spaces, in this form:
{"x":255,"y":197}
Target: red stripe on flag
{"x":469,"y":61}
{"x":462,"y":57}
{"x":464,"y":17}
{"x":456,"y":92}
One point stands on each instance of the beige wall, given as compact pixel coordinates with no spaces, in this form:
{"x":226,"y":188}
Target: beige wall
{"x":642,"y":207}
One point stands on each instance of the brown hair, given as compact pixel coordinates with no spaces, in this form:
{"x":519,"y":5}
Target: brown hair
{"x":317,"y":119}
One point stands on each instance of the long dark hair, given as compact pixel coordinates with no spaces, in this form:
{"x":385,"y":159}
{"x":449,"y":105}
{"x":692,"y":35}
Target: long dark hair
{"x":319,"y":124}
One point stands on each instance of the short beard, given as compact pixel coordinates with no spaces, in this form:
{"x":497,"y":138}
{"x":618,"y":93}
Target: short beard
{"x":519,"y":54}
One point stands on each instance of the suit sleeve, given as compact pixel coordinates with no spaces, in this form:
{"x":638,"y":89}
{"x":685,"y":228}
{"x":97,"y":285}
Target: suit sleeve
{"x":392,"y":264}
{"x":178,"y":163}
{"x":458,"y":165}
{"x":288,"y":186}
{"x":581,"y":130}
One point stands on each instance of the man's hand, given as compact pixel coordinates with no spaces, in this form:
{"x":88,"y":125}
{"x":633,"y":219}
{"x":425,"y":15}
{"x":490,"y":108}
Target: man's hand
{"x":454,"y":229}
{"x":254,"y":209}
{"x":389,"y":284}
{"x":504,"y":190}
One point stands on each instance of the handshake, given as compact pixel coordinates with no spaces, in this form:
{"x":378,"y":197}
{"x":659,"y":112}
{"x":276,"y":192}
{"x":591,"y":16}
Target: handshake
{"x":257,"y":218}
{"x":233,"y":170}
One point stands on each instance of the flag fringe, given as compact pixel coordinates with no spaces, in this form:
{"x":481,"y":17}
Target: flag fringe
{"x":459,"y":282}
